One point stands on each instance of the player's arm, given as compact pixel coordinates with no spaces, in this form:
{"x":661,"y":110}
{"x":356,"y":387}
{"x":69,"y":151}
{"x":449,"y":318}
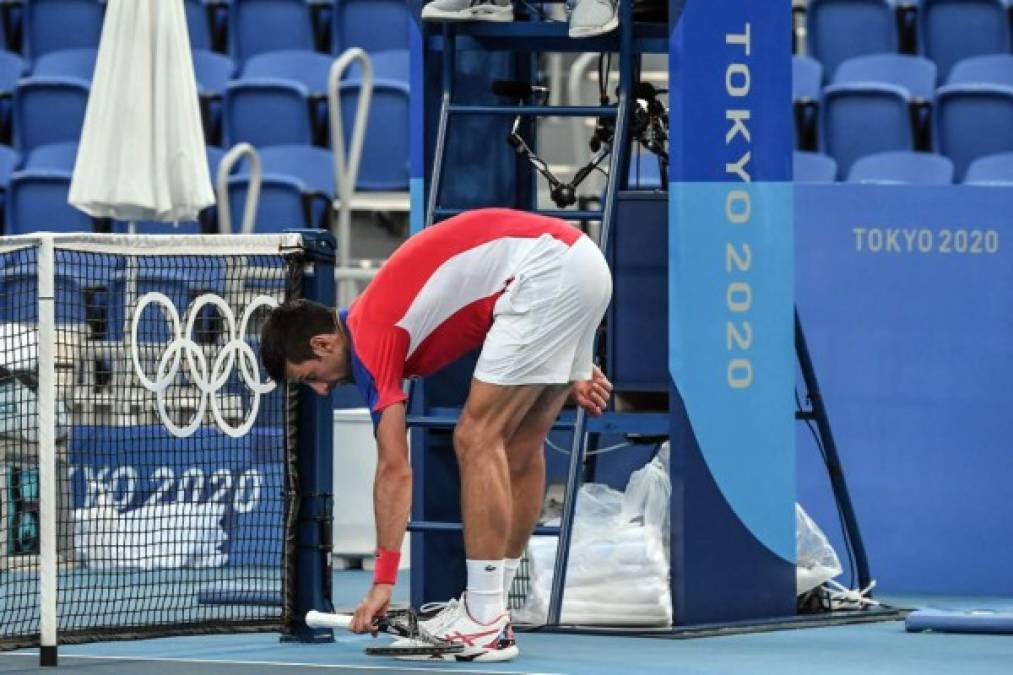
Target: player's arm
{"x":392,"y":487}
{"x":392,"y":496}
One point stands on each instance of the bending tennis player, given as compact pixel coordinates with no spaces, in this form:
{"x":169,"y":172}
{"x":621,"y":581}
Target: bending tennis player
{"x":531,"y":291}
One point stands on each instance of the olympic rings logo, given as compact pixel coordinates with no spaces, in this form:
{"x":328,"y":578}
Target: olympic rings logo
{"x":208,"y":380}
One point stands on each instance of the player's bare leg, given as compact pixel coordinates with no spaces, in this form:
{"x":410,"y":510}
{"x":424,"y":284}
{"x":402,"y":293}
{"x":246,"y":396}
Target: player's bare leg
{"x":526,"y":461}
{"x":491,"y":416}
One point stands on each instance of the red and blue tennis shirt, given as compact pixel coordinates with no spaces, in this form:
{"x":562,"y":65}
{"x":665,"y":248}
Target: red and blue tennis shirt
{"x":432,"y":301}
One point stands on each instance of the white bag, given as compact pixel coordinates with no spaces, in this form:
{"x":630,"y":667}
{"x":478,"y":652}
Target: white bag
{"x":816,"y":560}
{"x":617,"y":571}
{"x":141,"y":154}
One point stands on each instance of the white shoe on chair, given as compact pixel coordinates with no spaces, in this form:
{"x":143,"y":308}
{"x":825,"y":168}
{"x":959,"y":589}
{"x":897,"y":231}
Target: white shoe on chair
{"x":468,"y":10}
{"x":593,"y":17}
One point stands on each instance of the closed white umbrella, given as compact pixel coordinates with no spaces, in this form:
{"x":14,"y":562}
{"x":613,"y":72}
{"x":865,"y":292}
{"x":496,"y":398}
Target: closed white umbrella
{"x":142,"y":154}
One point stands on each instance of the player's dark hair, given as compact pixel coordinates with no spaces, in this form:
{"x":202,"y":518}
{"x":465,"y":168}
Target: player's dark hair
{"x":287,"y":331}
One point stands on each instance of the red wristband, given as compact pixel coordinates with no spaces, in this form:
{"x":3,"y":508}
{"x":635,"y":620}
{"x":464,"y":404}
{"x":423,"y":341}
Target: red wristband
{"x":385,"y":566}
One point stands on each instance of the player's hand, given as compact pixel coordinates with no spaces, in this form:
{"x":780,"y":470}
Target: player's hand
{"x":372,"y":606}
{"x":592,"y":395}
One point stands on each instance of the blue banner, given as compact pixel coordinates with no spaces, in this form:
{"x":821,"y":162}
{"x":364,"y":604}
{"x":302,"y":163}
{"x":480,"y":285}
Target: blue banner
{"x":731,"y":340}
{"x":155,"y":497}
{"x":906,"y":296}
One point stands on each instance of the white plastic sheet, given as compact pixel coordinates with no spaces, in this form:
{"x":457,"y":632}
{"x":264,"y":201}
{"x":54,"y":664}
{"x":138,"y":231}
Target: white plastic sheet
{"x":817,"y":562}
{"x":142,"y":154}
{"x":618,"y":569}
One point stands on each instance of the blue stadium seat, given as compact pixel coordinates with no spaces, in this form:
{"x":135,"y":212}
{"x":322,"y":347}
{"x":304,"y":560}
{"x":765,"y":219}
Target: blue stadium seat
{"x":975,"y":111}
{"x":9,"y":160}
{"x":49,"y":110}
{"x":870,"y":106}
{"x":52,"y":25}
{"x":806,"y":77}
{"x":269,"y":112}
{"x":838,"y":30}
{"x":392,"y":64}
{"x":297,"y":190}
{"x":281,"y":203}
{"x":79,"y":63}
{"x":914,"y":168}
{"x":12,"y":68}
{"x":806,"y":83}
{"x":215,"y":156}
{"x":37,"y":202}
{"x":384,"y":164}
{"x":309,"y":68}
{"x":914,"y":73}
{"x":311,"y":165}
{"x":812,"y":167}
{"x":258,"y":26}
{"x":991,"y":170}
{"x":58,"y":156}
{"x":990,"y":68}
{"x":373,"y":25}
{"x":213,"y":72}
{"x":198,"y":24}
{"x":952,"y":30}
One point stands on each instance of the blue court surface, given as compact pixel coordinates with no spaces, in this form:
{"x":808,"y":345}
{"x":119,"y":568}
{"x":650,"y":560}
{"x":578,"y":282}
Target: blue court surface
{"x":865,"y":648}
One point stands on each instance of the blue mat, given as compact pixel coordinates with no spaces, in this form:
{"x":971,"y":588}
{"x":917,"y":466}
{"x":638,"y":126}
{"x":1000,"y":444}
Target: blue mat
{"x":239,"y":595}
{"x":960,"y":621}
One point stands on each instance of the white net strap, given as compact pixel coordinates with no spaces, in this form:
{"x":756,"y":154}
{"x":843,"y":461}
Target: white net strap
{"x":161,"y":244}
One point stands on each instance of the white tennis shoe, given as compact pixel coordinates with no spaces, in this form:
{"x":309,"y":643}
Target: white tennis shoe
{"x":446,"y":610}
{"x":468,"y":10}
{"x":482,"y":642}
{"x":593,"y":17}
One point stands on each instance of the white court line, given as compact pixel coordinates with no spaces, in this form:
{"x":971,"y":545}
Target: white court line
{"x":334,"y":666}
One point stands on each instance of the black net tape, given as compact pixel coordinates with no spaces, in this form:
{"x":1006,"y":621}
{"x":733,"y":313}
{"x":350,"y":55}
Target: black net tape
{"x":174,"y":451}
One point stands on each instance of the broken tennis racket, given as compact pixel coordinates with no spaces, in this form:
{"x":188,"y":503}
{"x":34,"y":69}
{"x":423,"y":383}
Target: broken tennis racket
{"x":402,"y":623}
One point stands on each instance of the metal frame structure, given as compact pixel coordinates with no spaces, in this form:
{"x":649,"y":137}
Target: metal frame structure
{"x":711,"y":46}
{"x":527,"y":40}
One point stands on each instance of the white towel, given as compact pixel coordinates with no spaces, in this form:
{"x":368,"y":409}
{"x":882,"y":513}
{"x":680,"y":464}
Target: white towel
{"x":602,"y":611}
{"x":159,"y":536}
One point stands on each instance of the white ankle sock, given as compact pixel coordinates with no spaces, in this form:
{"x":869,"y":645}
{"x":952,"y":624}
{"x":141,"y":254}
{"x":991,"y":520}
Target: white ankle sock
{"x":485,"y":590}
{"x":510,"y":566}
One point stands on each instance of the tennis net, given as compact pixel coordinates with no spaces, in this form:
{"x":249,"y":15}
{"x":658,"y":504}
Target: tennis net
{"x":147,"y":464}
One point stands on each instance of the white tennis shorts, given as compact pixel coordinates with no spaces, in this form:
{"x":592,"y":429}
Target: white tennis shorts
{"x":544,"y":324}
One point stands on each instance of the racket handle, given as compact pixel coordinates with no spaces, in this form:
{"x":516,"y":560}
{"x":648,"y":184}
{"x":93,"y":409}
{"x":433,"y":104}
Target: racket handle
{"x":315,"y":619}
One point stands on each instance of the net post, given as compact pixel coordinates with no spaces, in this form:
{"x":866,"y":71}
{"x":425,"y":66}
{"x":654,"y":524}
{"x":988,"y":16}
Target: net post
{"x":312,"y":560}
{"x":47,"y":453}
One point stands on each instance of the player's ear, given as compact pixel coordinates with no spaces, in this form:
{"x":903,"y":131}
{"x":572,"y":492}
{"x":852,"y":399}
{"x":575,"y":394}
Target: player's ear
{"x":323,"y":344}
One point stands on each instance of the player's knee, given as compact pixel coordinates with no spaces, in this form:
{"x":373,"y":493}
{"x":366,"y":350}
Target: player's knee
{"x":472,"y":440}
